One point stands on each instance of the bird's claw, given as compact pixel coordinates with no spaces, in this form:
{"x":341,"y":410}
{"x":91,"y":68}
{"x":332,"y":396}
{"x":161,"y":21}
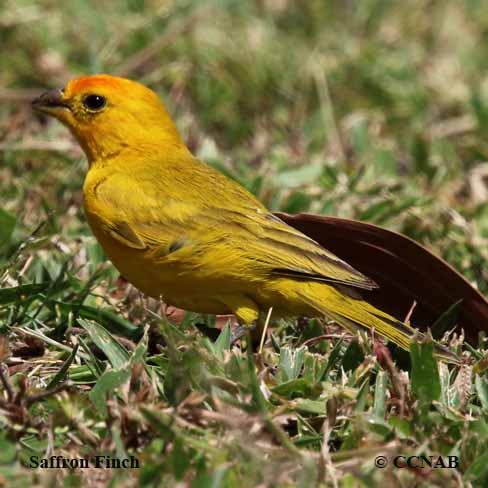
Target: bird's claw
{"x":240,"y":331}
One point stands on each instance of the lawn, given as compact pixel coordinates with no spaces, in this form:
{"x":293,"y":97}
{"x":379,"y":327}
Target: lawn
{"x":370,"y":110}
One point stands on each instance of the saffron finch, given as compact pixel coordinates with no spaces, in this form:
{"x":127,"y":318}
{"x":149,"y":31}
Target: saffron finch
{"x":179,"y":230}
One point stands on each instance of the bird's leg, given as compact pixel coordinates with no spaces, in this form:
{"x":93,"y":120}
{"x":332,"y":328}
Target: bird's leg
{"x":247,"y":313}
{"x":240,"y":331}
{"x":258,"y":330}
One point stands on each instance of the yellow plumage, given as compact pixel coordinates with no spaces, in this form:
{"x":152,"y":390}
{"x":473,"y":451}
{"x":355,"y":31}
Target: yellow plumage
{"x":178,"y":229}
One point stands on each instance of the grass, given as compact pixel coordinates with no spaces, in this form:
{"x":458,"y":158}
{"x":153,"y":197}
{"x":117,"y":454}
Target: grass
{"x":371,"y":110}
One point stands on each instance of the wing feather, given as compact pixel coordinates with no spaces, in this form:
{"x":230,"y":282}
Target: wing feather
{"x":232,"y":229}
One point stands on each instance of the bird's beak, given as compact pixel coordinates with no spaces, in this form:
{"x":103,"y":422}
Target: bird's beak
{"x":51,"y":102}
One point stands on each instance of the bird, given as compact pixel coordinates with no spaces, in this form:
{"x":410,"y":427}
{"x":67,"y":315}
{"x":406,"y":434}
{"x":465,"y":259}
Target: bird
{"x":181,"y":231}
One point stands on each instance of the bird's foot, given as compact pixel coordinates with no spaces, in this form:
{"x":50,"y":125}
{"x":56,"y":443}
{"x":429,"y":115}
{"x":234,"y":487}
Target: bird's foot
{"x":240,"y":331}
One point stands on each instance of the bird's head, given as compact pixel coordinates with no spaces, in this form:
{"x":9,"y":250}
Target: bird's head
{"x":108,"y":115}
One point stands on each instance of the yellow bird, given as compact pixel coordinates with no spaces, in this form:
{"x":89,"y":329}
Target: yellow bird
{"x":179,"y":230}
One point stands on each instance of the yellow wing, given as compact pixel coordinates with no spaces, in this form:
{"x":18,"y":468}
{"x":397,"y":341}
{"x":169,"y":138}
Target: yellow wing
{"x":209,"y":224}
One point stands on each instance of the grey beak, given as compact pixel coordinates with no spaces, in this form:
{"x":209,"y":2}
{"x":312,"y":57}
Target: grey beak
{"x":50,"y":100}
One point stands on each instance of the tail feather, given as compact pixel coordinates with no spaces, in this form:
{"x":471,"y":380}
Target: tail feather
{"x":354,"y":313}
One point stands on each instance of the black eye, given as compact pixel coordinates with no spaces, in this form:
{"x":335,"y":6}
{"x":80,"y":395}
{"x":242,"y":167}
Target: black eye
{"x":94,"y":102}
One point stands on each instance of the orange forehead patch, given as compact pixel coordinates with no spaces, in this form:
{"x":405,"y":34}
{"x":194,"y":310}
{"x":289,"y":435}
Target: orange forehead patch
{"x":86,"y":83}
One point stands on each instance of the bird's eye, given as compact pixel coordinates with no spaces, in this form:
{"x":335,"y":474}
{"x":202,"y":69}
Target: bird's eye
{"x":94,"y":102}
